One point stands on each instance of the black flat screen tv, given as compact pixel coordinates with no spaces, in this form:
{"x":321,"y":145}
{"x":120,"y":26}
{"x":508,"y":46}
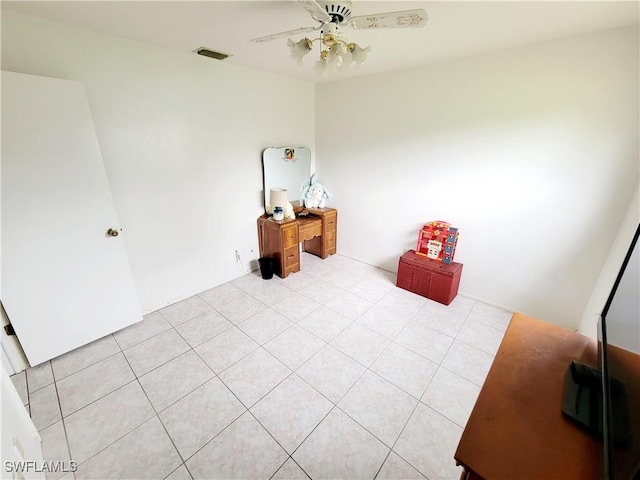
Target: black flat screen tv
{"x":620,"y":366}
{"x":605,"y":398}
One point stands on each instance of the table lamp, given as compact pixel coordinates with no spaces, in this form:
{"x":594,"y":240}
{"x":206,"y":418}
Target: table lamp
{"x":278,"y":201}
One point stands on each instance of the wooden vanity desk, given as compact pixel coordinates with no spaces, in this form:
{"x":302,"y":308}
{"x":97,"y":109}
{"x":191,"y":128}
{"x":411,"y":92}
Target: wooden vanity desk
{"x":281,"y":239}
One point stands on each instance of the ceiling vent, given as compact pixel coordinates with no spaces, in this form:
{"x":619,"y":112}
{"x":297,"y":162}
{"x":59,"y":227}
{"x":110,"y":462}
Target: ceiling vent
{"x":210,"y":53}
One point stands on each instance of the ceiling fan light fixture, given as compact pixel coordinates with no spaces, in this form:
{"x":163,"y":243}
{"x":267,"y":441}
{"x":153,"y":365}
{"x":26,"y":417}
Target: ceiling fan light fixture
{"x":336,"y":54}
{"x":329,"y":40}
{"x":299,"y":49}
{"x":359,"y":54}
{"x":347,"y":59}
{"x":322,"y":67}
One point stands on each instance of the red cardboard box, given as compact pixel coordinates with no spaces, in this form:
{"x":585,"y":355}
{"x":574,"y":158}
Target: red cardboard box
{"x":430,"y":278}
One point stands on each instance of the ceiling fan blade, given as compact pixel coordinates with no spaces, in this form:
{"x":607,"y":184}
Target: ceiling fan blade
{"x":404,"y":19}
{"x":288,"y":33}
{"x":317,"y":12}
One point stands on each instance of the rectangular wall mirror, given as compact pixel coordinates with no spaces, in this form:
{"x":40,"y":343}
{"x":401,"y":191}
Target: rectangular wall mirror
{"x":285,"y":167}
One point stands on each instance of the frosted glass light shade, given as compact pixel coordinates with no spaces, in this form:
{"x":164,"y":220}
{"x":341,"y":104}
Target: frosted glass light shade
{"x":322,"y":67}
{"x":359,"y":54}
{"x":278,"y":197}
{"x":299,"y":49}
{"x":347,"y":59}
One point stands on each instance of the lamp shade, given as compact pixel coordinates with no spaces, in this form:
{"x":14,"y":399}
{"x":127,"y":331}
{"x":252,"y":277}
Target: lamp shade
{"x":278,"y":197}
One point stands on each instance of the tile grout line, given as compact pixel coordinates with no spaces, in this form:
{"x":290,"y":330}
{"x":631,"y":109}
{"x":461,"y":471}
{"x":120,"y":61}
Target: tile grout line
{"x":157,"y":416}
{"x":184,"y":461}
{"x":294,"y":461}
{"x":424,"y":391}
{"x":156,"y":413}
{"x":26,"y":382}
{"x":119,"y":438}
{"x":136,"y":378}
{"x":367,"y":369}
{"x":62,"y":419}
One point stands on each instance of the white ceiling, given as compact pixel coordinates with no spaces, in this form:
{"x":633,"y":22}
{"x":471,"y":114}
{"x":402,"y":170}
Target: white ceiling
{"x":455,"y":28}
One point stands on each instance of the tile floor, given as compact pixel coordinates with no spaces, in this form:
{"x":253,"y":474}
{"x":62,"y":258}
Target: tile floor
{"x":332,"y":373}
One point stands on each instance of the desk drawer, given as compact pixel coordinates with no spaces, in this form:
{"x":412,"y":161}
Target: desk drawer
{"x":330,"y":243}
{"x":309,"y":228}
{"x":290,"y":236}
{"x":330,"y":222}
{"x":291,"y":259}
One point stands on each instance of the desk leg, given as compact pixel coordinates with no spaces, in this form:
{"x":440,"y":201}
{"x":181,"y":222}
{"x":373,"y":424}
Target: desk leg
{"x":469,"y":475}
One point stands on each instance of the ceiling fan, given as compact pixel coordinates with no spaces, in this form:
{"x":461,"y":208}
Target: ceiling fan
{"x":332,"y":15}
{"x":339,"y":13}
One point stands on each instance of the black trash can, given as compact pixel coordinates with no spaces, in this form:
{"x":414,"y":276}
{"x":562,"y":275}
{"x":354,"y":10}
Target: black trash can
{"x":266,"y":267}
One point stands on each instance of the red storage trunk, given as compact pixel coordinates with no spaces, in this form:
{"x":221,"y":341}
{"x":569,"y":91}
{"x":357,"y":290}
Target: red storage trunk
{"x":429,"y":278}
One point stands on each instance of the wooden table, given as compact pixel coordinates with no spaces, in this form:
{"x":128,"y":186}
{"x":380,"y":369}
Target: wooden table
{"x":516,"y":429}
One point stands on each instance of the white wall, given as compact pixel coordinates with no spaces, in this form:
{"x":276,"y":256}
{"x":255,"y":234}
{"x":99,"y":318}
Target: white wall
{"x":622,"y":240}
{"x":181,"y":136}
{"x":531,"y":152}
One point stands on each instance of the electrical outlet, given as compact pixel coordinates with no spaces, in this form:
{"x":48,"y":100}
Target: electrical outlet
{"x":237,"y":256}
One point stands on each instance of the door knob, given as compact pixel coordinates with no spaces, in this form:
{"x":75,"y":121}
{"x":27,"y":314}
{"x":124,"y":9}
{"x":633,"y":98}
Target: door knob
{"x":112,"y":232}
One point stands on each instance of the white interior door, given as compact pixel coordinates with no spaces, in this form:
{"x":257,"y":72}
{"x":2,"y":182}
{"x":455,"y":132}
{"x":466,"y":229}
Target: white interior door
{"x":65,"y":281}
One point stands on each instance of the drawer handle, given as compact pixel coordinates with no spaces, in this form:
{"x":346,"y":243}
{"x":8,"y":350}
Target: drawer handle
{"x":291,"y":256}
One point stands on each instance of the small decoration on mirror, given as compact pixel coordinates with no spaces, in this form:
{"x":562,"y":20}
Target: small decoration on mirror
{"x":289,"y":155}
